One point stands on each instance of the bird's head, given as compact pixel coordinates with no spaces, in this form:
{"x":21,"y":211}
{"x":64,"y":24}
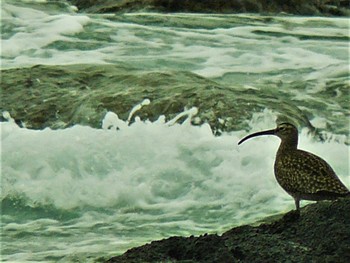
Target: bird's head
{"x":285,"y":131}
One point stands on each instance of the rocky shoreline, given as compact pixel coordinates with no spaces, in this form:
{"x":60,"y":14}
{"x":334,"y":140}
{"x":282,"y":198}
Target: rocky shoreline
{"x":320,"y":234}
{"x":295,"y":7}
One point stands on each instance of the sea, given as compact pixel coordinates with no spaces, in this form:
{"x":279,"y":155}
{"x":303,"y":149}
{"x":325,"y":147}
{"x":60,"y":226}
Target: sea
{"x":84,"y":194}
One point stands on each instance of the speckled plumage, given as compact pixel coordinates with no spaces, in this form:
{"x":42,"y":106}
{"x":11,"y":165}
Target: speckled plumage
{"x":301,"y":174}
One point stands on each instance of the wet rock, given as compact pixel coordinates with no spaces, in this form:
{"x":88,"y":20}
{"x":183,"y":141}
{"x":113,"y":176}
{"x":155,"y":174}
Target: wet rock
{"x":62,"y":96}
{"x":320,"y":234}
{"x":298,"y":7}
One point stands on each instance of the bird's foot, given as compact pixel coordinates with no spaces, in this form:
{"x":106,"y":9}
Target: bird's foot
{"x":292,"y":216}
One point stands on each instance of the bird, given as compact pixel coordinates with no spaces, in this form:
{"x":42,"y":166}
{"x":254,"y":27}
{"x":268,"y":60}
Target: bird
{"x":303,"y":175}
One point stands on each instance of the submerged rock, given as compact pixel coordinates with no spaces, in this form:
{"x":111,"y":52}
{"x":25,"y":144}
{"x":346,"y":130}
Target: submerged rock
{"x":313,"y":7}
{"x":62,"y":96}
{"x":320,"y":234}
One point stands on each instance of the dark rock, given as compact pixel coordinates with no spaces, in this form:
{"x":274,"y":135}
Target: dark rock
{"x":200,"y":249}
{"x":320,"y":234}
{"x":298,"y":7}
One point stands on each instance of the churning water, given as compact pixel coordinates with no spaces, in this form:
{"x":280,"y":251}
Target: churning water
{"x":81,"y":193}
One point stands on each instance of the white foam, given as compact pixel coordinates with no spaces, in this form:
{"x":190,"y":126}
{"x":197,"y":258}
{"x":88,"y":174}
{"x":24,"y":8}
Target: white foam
{"x":208,"y":52}
{"x":143,"y":164}
{"x":37,"y":29}
{"x":177,"y":177}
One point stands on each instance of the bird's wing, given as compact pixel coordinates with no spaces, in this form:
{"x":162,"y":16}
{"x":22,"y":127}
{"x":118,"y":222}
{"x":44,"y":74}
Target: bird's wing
{"x":308,"y":173}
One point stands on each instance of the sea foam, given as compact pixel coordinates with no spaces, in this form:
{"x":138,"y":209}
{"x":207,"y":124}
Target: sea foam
{"x":151,"y":165}
{"x":132,"y":182}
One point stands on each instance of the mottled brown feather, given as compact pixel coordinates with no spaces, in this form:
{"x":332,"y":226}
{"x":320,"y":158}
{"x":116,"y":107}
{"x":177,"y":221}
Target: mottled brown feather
{"x":307,"y":175}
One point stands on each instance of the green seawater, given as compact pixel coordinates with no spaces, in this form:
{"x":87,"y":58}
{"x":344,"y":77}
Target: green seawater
{"x":82,"y":193}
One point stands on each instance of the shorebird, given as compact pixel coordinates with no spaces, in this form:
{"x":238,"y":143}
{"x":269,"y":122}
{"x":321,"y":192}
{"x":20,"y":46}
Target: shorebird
{"x":301,"y":174}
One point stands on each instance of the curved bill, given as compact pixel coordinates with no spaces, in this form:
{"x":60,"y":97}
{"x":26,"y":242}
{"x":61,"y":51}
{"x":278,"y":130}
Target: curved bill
{"x":268,"y":132}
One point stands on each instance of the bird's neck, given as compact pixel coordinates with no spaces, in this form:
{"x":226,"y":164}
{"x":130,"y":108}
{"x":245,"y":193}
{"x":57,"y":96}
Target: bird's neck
{"x":290,"y":144}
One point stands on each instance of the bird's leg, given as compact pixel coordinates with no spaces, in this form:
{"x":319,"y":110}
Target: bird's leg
{"x":293,"y":215}
{"x":297,"y":204}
